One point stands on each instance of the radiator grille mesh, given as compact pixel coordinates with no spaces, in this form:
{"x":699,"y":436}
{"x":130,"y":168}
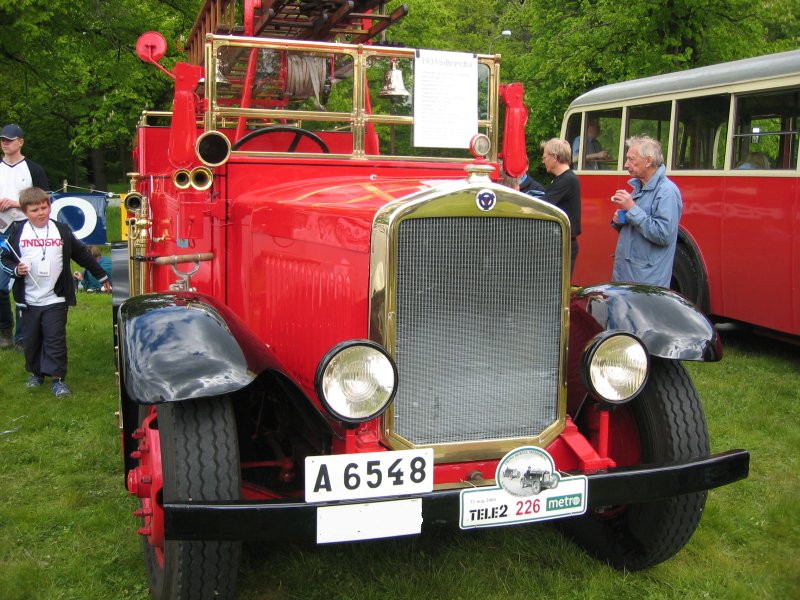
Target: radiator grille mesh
{"x":478,"y":328}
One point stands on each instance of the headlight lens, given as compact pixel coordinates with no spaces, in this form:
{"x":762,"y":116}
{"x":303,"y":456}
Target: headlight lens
{"x":615,"y":367}
{"x":356,"y":381}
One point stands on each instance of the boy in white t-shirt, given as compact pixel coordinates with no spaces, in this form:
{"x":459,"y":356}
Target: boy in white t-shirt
{"x":37,"y":255}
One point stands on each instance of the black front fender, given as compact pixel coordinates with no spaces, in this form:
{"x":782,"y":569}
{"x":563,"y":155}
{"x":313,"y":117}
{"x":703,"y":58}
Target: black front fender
{"x":179,"y":346}
{"x":667,"y":323}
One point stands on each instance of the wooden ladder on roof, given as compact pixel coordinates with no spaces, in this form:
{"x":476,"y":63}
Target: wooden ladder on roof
{"x":352,"y":21}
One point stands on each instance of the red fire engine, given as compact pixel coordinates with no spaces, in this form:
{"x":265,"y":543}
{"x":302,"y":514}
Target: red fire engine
{"x":340,"y":327}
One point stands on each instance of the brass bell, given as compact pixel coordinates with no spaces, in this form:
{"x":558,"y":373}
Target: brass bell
{"x":393,"y":85}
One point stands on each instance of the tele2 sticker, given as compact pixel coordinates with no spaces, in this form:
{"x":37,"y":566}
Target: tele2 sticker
{"x":528,"y":489}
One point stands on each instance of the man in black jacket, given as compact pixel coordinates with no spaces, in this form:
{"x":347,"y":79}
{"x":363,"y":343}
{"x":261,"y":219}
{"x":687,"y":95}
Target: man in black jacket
{"x":565,"y":190}
{"x":37,"y":255}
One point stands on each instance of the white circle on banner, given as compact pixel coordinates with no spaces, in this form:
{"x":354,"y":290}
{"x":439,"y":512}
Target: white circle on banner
{"x":89,"y":214}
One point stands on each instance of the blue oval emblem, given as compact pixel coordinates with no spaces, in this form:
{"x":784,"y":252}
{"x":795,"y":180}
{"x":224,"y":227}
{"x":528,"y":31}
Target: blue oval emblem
{"x":486,"y":200}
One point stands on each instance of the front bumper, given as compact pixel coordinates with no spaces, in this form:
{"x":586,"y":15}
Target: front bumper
{"x":297,"y":520}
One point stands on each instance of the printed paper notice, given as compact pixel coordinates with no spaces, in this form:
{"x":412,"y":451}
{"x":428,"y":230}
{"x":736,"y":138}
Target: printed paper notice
{"x":445,"y":99}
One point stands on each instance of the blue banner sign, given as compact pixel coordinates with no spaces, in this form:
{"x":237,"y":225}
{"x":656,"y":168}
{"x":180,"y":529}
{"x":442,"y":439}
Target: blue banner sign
{"x":85,"y":213}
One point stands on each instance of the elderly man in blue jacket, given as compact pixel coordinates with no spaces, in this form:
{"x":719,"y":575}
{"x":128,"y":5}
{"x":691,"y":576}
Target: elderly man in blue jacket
{"x":648,"y":217}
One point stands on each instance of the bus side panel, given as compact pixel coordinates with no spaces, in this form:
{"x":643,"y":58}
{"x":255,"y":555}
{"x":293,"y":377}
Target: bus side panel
{"x":759,"y":255}
{"x":795,"y":301}
{"x":703,"y":201}
{"x":598,"y":239}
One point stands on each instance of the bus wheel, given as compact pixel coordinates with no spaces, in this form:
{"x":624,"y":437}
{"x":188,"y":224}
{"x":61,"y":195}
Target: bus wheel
{"x":192,"y":448}
{"x":687,"y":279}
{"x":671,"y":426}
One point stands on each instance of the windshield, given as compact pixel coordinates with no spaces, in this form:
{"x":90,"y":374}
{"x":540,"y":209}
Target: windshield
{"x":361,"y":101}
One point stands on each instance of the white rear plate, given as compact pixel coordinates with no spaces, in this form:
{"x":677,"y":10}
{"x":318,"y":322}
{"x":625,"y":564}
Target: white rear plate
{"x":369,"y":521}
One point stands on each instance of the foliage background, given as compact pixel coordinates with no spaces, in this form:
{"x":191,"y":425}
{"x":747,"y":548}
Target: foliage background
{"x":72,"y":80}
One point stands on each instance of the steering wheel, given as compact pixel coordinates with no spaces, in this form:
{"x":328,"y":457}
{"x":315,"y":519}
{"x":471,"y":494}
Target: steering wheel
{"x":298,"y":133}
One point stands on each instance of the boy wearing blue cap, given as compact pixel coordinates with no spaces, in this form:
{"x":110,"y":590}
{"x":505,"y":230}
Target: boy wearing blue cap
{"x":16,"y":174}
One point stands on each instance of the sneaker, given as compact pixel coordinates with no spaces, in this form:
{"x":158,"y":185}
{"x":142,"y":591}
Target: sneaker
{"x":34,"y":381}
{"x":60,"y":389}
{"x":18,"y":347}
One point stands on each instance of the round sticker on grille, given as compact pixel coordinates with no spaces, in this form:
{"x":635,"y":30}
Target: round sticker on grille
{"x":527,"y":471}
{"x":486,"y":200}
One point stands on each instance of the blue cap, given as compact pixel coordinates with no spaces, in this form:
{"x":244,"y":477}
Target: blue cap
{"x":12,"y":132}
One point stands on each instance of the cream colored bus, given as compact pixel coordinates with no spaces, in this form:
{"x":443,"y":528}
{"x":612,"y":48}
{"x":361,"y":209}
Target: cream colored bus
{"x":730,"y":139}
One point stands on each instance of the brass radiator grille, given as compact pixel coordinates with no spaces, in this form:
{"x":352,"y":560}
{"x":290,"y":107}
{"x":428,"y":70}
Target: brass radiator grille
{"x":478,"y":328}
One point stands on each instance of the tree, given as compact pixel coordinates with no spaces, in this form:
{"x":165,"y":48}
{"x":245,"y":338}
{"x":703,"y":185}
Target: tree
{"x":561,"y":50}
{"x":446,"y":25}
{"x":72,"y":79}
{"x":577,"y":45}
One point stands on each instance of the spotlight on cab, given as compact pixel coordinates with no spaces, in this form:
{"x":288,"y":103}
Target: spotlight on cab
{"x":213,"y":148}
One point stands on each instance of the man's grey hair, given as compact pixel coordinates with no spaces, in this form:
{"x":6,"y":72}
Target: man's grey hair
{"x":558,"y":148}
{"x":647,"y":147}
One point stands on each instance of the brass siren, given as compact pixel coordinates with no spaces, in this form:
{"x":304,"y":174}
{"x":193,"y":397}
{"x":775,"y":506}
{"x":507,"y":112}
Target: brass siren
{"x":393,"y":86}
{"x":182,"y":179}
{"x":199,"y":178}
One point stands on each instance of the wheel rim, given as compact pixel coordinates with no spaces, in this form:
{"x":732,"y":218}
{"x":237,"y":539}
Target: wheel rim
{"x":146,"y":482}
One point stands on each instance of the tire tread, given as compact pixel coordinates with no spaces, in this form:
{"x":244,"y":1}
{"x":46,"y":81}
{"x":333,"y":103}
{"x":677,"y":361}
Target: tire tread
{"x":205,"y":466}
{"x":672,"y":427}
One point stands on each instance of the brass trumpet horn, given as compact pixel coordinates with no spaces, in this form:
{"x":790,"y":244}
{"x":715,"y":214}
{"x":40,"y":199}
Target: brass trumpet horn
{"x":201,"y":178}
{"x":182,"y":179}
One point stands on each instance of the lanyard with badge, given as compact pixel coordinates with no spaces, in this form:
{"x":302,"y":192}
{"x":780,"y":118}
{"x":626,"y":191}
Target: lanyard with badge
{"x":43,"y":268}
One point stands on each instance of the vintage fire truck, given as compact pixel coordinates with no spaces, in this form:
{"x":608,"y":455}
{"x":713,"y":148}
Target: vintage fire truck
{"x":338,"y":326}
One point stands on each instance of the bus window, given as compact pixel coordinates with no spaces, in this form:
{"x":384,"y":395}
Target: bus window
{"x":766,"y":134}
{"x":574,"y":132}
{"x":602,"y":140}
{"x":652,"y":120}
{"x":702,"y":125}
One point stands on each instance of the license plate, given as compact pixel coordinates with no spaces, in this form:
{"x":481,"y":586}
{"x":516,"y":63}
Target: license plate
{"x":368,"y":475}
{"x":369,"y":521}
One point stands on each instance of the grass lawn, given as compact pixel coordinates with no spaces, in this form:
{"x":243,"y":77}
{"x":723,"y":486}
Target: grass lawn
{"x":66,"y":529}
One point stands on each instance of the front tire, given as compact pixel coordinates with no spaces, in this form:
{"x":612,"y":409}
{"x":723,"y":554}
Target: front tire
{"x":688,"y":278}
{"x":671,"y":427}
{"x":200,"y":461}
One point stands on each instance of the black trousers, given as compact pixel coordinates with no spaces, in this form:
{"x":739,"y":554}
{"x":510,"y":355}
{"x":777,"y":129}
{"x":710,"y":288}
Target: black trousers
{"x":45,"y":339}
{"x":574,"y":253}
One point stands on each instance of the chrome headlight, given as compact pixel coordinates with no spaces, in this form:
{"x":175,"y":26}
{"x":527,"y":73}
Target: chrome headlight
{"x":615,"y":367}
{"x":356,"y":381}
